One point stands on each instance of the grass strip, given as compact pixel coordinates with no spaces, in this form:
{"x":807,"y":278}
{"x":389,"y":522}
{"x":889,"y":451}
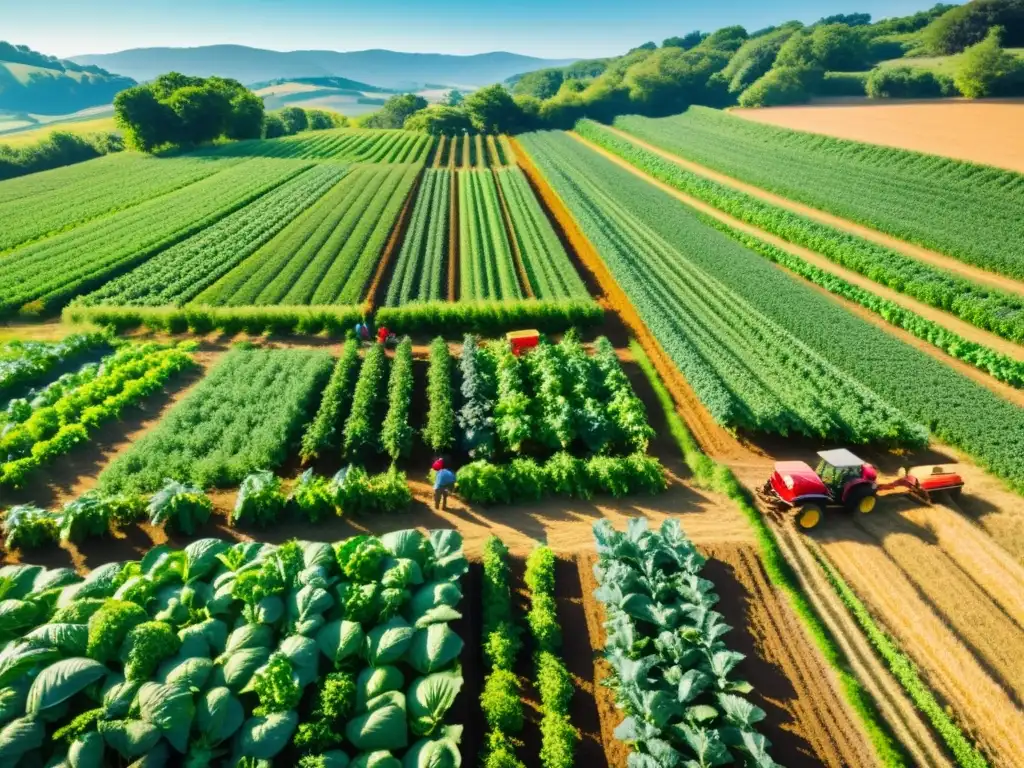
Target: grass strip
{"x":710,"y":475}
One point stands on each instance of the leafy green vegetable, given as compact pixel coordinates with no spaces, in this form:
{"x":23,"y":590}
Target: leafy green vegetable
{"x":260,"y":499}
{"x":60,"y":681}
{"x":181,"y":507}
{"x":109,"y":627}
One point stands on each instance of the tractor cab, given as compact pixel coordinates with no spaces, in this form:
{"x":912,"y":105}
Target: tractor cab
{"x":840,"y":470}
{"x":841,"y":479}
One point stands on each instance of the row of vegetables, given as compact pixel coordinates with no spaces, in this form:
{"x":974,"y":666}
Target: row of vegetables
{"x":53,"y":419}
{"x":234,"y":654}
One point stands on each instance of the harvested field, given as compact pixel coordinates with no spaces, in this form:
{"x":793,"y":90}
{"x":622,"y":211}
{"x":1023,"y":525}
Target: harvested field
{"x":981,"y":705}
{"x":978,"y":131}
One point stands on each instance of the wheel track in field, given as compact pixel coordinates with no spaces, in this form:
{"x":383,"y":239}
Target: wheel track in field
{"x":933,"y":258}
{"x":892,"y":701}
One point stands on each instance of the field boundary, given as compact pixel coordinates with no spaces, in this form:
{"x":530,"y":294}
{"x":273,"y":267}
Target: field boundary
{"x":934,"y":258}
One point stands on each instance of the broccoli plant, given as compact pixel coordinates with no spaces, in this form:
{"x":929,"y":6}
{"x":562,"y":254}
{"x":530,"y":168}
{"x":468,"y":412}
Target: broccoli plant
{"x":145,"y":647}
{"x":276,"y":686}
{"x":311,"y":497}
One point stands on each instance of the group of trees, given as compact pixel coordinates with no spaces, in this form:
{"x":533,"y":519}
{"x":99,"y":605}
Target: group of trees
{"x":177,"y":110}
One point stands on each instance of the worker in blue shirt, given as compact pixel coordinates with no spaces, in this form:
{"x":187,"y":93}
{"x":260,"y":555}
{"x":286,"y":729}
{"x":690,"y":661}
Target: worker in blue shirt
{"x":444,"y":481}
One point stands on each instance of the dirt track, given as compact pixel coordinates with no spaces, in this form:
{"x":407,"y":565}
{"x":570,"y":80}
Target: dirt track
{"x":986,"y":131}
{"x":934,"y":258}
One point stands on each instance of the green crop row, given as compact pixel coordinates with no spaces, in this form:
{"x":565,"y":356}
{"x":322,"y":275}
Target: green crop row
{"x":44,"y":204}
{"x":126,"y":377}
{"x":439,"y":432}
{"x":490,"y":318}
{"x":971,"y":212}
{"x":323,"y":435}
{"x":999,"y":312}
{"x":28,"y":362}
{"x":500,"y":698}
{"x":46,"y":275}
{"x":327,"y":255}
{"x":548,"y":268}
{"x":395,"y":432}
{"x":558,"y":736}
{"x":419,"y":271}
{"x":361,"y":435}
{"x":957,"y":411}
{"x":181,"y":272}
{"x":486,"y":268}
{"x":747,"y":369}
{"x":246,"y":414}
{"x":305,"y":320}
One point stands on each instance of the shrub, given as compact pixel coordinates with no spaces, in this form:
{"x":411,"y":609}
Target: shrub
{"x":356,"y":492}
{"x":524,"y":479}
{"x":781,"y":86}
{"x":88,"y":515}
{"x":908,"y":83}
{"x":565,"y":475}
{"x":987,"y":70}
{"x":28,"y":527}
{"x":311,"y":497}
{"x":843,"y":84}
{"x":500,"y":702}
{"x":476,"y":417}
{"x":490,"y":318}
{"x":180,"y":507}
{"x":260,"y":499}
{"x":483,"y":483}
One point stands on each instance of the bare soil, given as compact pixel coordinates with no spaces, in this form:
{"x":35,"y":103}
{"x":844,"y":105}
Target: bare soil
{"x":986,"y":131}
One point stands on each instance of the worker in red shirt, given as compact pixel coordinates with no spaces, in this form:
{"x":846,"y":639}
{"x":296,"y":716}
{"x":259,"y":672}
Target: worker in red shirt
{"x":383,"y":334}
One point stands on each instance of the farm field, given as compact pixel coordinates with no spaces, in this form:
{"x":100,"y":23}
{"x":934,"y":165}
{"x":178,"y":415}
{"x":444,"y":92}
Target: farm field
{"x":692,"y":333}
{"x":979,"y":132}
{"x":926,"y":201}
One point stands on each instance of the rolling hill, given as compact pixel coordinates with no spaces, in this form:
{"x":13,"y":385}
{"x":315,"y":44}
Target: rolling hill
{"x":32,"y":82}
{"x":387,"y":69}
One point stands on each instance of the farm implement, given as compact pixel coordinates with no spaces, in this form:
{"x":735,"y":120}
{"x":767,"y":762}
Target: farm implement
{"x":843,"y":480}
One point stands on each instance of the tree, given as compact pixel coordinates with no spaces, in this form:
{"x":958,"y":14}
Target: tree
{"x":987,"y":70}
{"x":273,"y":126}
{"x":493,"y":110}
{"x":849,"y":19}
{"x":452,"y":98}
{"x":439,"y":120}
{"x":322,"y":120}
{"x":245,"y":118}
{"x":542,"y":83}
{"x":781,"y":86}
{"x":686,"y":42}
{"x":671,"y":79}
{"x":726,"y":39}
{"x":756,"y":56}
{"x":965,"y":25}
{"x":147,"y":122}
{"x":295,"y":119}
{"x":395,"y":111}
{"x":180,"y":110}
{"x":907,"y":83}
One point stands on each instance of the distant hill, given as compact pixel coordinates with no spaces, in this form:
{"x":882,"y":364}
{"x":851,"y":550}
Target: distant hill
{"x":336,"y":83}
{"x":386,"y":69}
{"x":337,"y":94}
{"x":33,"y":82}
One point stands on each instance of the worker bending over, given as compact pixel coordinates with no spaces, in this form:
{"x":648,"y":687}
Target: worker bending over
{"x":444,"y":482}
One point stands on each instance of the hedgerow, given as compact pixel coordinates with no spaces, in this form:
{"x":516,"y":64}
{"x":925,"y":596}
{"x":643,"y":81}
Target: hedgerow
{"x":489,"y":318}
{"x":439,"y":432}
{"x":323,"y":435}
{"x":361,"y":434}
{"x":395,"y":433}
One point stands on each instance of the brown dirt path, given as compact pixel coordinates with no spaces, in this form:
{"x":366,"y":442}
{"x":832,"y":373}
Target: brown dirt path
{"x":981,"y":705}
{"x":984,"y":131}
{"x":892,"y":701}
{"x":934,"y":258}
{"x":947,"y":321}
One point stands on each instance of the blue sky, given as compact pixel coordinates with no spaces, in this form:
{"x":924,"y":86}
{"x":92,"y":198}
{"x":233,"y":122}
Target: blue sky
{"x":547,"y":28}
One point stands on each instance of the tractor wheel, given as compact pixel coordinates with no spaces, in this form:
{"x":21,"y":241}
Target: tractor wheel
{"x":808,"y":516}
{"x":861,"y":500}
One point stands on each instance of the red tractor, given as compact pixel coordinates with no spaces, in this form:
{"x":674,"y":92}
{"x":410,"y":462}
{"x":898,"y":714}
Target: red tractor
{"x":843,"y":480}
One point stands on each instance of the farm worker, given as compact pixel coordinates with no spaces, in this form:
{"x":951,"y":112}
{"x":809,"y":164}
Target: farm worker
{"x":362,"y":331}
{"x":383,"y":334}
{"x":444,"y":481}
{"x":438,"y":465}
